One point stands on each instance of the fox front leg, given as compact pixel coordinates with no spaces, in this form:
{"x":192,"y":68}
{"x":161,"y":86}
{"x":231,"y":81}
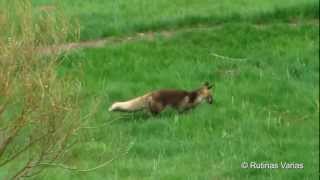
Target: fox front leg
{"x":183,"y":110}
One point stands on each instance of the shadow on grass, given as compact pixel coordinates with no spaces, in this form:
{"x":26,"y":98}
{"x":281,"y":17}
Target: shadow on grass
{"x":133,"y":116}
{"x":141,"y":116}
{"x":169,"y":114}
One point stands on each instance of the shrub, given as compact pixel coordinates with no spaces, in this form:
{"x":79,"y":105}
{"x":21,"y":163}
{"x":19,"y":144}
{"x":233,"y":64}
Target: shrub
{"x":39,"y":111}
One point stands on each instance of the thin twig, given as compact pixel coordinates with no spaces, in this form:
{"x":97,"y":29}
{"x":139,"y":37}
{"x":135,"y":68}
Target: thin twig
{"x":4,"y":105}
{"x":21,"y":151}
{"x":22,"y":170}
{"x":63,"y":166}
{"x":95,"y":127}
{"x":228,"y":58}
{"x":101,"y":126}
{"x":27,"y":168}
{"x":20,"y":122}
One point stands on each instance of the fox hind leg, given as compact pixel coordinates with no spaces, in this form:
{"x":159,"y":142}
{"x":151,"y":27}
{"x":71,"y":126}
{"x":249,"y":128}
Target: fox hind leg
{"x":155,"y":107}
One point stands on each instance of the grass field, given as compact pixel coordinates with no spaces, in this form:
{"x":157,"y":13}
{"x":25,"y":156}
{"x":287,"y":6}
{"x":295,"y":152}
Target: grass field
{"x":99,"y":18}
{"x":266,"y":100}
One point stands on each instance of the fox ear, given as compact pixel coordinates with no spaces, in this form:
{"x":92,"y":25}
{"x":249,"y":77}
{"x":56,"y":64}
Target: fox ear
{"x":208,"y":85}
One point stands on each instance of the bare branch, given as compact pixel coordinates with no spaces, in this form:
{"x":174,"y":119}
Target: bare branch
{"x":28,"y":167}
{"x":63,"y":166}
{"x":97,"y":127}
{"x":22,"y":170}
{"x":19,"y":123}
{"x":44,"y":119}
{"x":3,"y":106}
{"x":21,"y":151}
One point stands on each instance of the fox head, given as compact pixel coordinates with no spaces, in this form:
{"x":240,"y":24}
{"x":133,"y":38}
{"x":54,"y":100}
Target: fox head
{"x":205,"y":92}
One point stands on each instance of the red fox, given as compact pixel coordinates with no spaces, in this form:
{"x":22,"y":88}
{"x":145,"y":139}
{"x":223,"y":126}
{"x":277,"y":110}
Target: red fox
{"x":157,"y":101}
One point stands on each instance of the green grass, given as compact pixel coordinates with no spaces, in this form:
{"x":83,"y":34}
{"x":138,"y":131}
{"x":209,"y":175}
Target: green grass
{"x":99,"y":18}
{"x":265,"y":107}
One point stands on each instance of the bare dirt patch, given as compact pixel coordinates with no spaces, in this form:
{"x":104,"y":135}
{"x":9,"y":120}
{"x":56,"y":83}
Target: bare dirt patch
{"x":150,"y":36}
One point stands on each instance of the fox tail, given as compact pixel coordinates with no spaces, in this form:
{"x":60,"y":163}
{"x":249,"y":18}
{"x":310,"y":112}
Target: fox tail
{"x":135,"y":104}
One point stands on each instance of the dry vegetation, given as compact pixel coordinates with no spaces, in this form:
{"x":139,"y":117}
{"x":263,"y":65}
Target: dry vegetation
{"x":39,"y":112}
